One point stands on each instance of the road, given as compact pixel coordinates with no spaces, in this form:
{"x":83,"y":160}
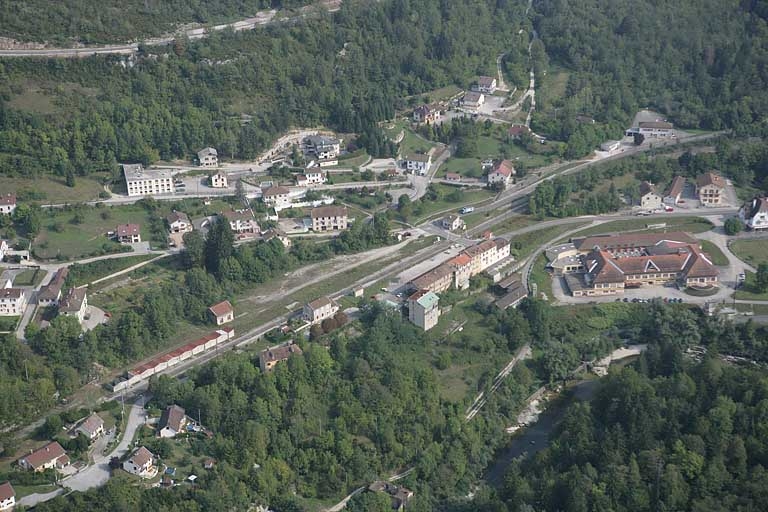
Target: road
{"x":262,"y":18}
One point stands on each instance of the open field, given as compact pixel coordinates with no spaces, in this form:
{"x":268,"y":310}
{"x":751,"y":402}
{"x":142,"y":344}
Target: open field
{"x":541,"y":277}
{"x":749,"y":290}
{"x":29,"y":277}
{"x":412,"y":144}
{"x":83,"y":274}
{"x":687,"y":224}
{"x":81,"y":232}
{"x":753,"y":252}
{"x":450,"y":198}
{"x":52,"y":189}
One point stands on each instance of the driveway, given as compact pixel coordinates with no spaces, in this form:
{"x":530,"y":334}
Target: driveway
{"x":98,"y":473}
{"x":33,"y":499}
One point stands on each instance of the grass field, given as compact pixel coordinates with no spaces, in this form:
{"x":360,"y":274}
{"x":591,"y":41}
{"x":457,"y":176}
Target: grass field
{"x":687,"y":224}
{"x":29,"y":277}
{"x":467,"y":167}
{"x":413,"y":144}
{"x":749,"y":290}
{"x":541,"y":277}
{"x":81,"y":232}
{"x":468,"y":196}
{"x":717,"y":256}
{"x":51,"y":189}
{"x":83,"y":274}
{"x":753,"y":252}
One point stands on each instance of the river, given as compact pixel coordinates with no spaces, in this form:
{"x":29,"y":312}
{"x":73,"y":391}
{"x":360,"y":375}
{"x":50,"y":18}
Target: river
{"x":534,"y":438}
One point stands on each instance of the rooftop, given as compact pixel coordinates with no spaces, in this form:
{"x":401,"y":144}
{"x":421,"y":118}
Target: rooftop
{"x":631,"y":240}
{"x":7,"y":199}
{"x":46,"y":454}
{"x":485,"y":81}
{"x":275,"y":191}
{"x":173,"y":417}
{"x":425,"y":299}
{"x":175,"y":216}
{"x":427,"y":279}
{"x":320,"y":302}
{"x":222,"y":309}
{"x":6,"y":491}
{"x":659,"y":125}
{"x":92,"y":423}
{"x":142,"y":456}
{"x":11,"y":293}
{"x":473,"y":97}
{"x":710,"y":178}
{"x":133,"y":172}
{"x":505,"y":168}
{"x":328,"y":211}
{"x":678,"y":184}
{"x":128,"y":230}
{"x":52,"y":290}
{"x":207,"y":151}
{"x":73,"y":300}
{"x":647,"y":187}
{"x":279,"y":353}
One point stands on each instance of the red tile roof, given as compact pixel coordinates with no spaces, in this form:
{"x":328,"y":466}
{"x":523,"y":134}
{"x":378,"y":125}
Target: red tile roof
{"x":7,"y":199}
{"x":128,"y":229}
{"x":505,"y":168}
{"x":6,"y":491}
{"x":710,"y":178}
{"x":460,"y":260}
{"x":221,"y":309}
{"x":46,"y":454}
{"x":631,"y":240}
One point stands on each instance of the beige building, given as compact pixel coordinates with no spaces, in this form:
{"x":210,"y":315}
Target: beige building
{"x":473,"y":100}
{"x":320,"y":309}
{"x":222,"y":313}
{"x":452,"y":222}
{"x":92,"y":427}
{"x":50,"y":294}
{"x":485,"y":84}
{"x":178,"y":222}
{"x":141,"y":463}
{"x":208,"y":157}
{"x":7,"y":204}
{"x":50,"y":456}
{"x":128,"y":233}
{"x":74,"y":303}
{"x":146,"y":182}
{"x":710,"y":187}
{"x":649,"y":198}
{"x":270,"y":357}
{"x":277,"y":196}
{"x":12,"y":301}
{"x":329,"y":218}
{"x":423,"y":310}
{"x":218,"y":180}
{"x":242,"y":223}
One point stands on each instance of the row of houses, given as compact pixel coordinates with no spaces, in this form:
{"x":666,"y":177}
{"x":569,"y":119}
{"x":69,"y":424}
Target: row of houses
{"x":710,"y":189}
{"x":609,"y":264}
{"x":172,"y":358}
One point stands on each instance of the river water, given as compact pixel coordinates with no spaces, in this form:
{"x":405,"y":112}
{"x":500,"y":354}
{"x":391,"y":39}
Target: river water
{"x":535,"y":438}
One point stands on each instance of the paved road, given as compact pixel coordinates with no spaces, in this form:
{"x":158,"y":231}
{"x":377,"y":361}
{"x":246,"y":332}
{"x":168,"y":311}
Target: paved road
{"x":262,"y":18}
{"x":98,"y":473}
{"x":33,"y":499}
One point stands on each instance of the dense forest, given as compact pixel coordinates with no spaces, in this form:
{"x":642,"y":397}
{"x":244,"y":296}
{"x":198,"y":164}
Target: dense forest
{"x":701,"y":63}
{"x":65,"y":21}
{"x":237,"y":92}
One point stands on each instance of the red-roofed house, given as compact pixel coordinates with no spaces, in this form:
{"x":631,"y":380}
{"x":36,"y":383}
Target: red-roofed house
{"x":518,"y":130}
{"x":222,"y":312}
{"x":502,"y":172}
{"x":141,"y":463}
{"x":128,"y":233}
{"x":7,"y":496}
{"x":49,"y":456}
{"x":92,"y":427}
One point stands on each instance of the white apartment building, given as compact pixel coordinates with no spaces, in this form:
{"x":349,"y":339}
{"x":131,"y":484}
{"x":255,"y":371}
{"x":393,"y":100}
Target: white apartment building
{"x":208,"y":157}
{"x":320,"y":309}
{"x":147,"y":182}
{"x":12,"y":301}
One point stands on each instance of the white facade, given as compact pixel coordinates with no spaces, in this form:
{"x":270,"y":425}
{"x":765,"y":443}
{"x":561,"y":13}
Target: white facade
{"x":7,"y":496}
{"x":650,"y":201}
{"x":141,"y":464}
{"x":754,"y":214}
{"x":3,"y":249}
{"x":145,"y":182}
{"x":498,"y":177}
{"x":320,"y":309}
{"x":208,"y":157}
{"x":7,"y":204}
{"x":219,"y":180}
{"x":418,"y":164}
{"x":12,"y":301}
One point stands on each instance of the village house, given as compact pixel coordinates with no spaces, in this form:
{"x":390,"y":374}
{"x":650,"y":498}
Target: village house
{"x":322,"y":147}
{"x":423,"y":310}
{"x":141,"y":463}
{"x":276,"y":196}
{"x":279,"y":234}
{"x":485,"y":84}
{"x":12,"y":301}
{"x":128,"y":233}
{"x":516,"y":131}
{"x":172,"y":421}
{"x":310,"y":178}
{"x":7,"y":204}
{"x":452,"y":176}
{"x":92,"y":427}
{"x":436,"y":280}
{"x":473,"y":100}
{"x":610,"y":146}
{"x":218,"y":180}
{"x":208,"y":157}
{"x":50,"y":294}
{"x":178,"y":222}
{"x":320,"y":309}
{"x":50,"y":456}
{"x":270,"y":357}
{"x":501,"y":174}
{"x":428,"y":114}
{"x":462,"y":270}
{"x":146,"y":182}
{"x":329,"y":218}
{"x":452,"y":222}
{"x":74,"y":303}
{"x":417,"y":163}
{"x":242,"y":223}
{"x":649,"y":198}
{"x":754,"y":214}
{"x":655,"y":129}
{"x":399,"y":496}
{"x":710,"y":187}
{"x":7,"y":496}
{"x":222,"y":313}
{"x":672,"y":197}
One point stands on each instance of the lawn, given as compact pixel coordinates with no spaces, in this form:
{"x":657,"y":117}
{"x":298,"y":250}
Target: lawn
{"x":467,"y":167}
{"x":753,"y":252}
{"x":81,"y":232}
{"x":29,"y":277}
{"x":355,"y":159}
{"x":441,"y":94}
{"x":714,"y":252}
{"x":447,"y":202}
{"x":541,"y":277}
{"x":412,"y":144}
{"x":749,"y":290}
{"x":51,"y":189}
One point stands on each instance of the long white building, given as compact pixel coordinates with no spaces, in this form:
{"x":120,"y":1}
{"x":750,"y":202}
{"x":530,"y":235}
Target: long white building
{"x":147,"y":182}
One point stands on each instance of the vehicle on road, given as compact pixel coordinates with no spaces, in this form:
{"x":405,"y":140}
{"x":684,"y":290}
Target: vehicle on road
{"x":467,"y":209}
